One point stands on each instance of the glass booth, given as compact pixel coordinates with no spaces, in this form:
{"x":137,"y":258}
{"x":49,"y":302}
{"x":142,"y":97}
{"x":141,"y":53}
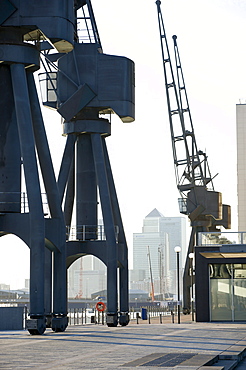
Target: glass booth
{"x":227,"y":292}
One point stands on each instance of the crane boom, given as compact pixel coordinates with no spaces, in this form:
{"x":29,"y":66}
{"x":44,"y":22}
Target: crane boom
{"x":202,"y":205}
{"x":191,"y":167}
{"x":151,"y":277}
{"x":200,"y":171}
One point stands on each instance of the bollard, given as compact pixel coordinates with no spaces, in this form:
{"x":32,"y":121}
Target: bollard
{"x":149,"y":318}
{"x":172,"y":314}
{"x":25,"y":316}
{"x":137,"y":317}
{"x":160,"y":318}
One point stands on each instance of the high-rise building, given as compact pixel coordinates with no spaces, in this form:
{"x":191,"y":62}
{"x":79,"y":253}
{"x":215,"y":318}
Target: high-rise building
{"x":4,"y":287}
{"x":153,"y":250}
{"x":241,"y":165}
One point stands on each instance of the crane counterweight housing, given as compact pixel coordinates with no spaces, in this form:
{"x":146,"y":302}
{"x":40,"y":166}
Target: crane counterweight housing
{"x":113,"y":83}
{"x":103,"y":83}
{"x":210,"y":200}
{"x":36,"y":18}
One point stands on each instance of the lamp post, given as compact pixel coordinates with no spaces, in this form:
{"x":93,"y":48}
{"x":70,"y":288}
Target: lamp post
{"x":160,"y":269}
{"x":191,"y":257}
{"x":177,"y":250}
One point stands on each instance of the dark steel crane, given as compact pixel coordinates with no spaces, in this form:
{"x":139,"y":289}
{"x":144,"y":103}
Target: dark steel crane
{"x":76,"y":84}
{"x":198,"y":199}
{"x":84,"y":86}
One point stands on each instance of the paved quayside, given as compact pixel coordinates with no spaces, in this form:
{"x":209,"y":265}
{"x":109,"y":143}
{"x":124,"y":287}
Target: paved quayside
{"x":186,"y":346}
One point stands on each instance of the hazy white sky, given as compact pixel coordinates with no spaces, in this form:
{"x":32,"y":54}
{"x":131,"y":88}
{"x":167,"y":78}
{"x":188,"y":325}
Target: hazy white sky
{"x":211,"y":38}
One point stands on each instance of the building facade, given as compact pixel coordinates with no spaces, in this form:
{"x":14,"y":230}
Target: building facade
{"x":241,"y":165}
{"x":86,"y":276}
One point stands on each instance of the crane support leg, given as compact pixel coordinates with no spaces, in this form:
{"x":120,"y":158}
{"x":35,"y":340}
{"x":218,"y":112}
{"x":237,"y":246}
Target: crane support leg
{"x":36,"y":220}
{"x":59,"y":320}
{"x":112,"y":316}
{"x":48,"y":286}
{"x":187,"y":277}
{"x":123,"y":257}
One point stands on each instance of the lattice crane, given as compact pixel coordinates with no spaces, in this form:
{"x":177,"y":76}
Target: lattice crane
{"x":198,"y":199}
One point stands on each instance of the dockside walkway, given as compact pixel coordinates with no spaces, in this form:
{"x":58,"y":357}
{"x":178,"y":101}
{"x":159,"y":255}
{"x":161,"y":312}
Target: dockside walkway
{"x":185,"y":346}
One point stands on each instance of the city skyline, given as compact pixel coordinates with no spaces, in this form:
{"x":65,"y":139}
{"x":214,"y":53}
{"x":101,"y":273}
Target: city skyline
{"x":154,"y":257}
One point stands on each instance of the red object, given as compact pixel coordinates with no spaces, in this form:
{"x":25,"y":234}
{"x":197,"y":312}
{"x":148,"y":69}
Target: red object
{"x":101,"y":306}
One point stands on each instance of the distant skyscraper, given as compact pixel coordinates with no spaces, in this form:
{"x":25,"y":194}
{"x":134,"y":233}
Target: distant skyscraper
{"x":4,"y":287}
{"x":154,"y":248}
{"x":241,"y":165}
{"x":86,"y":276}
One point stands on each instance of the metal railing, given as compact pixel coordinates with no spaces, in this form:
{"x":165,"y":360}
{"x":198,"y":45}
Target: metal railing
{"x":86,"y":316}
{"x":48,"y":88}
{"x":88,"y":232}
{"x":159,"y":314}
{"x":83,"y":316}
{"x":219,"y":238}
{"x":18,"y":202}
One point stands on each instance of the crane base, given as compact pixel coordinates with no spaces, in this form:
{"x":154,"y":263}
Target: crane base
{"x":59,"y":323}
{"x":124,"y":318}
{"x":112,"y":319}
{"x":36,"y":326}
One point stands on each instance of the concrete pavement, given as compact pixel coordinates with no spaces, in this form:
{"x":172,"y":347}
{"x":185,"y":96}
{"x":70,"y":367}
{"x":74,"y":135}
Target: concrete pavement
{"x":185,"y":346}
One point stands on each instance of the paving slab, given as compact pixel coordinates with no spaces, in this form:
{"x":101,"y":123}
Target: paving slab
{"x":100,"y":347}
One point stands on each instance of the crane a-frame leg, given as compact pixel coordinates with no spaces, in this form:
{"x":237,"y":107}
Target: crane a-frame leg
{"x":55,"y":225}
{"x":109,"y":228}
{"x":93,"y":171}
{"x":23,"y":132}
{"x":122,"y":245}
{"x":36,"y":219}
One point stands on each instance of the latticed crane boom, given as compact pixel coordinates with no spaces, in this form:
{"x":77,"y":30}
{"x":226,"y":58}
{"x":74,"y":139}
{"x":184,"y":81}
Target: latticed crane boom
{"x":197,"y":170}
{"x":191,"y":166}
